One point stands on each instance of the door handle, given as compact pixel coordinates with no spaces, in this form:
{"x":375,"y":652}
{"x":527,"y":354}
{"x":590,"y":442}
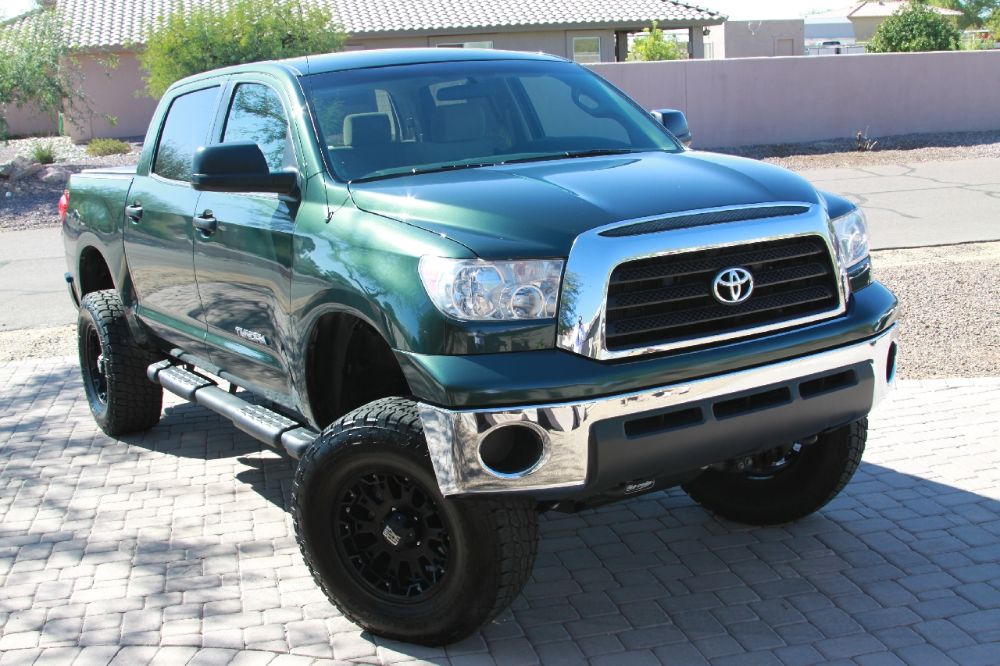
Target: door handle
{"x":134,"y":212}
{"x":206,"y":223}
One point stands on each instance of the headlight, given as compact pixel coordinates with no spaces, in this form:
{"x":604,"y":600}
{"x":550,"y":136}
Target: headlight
{"x":851,"y":232}
{"x":477,"y":290}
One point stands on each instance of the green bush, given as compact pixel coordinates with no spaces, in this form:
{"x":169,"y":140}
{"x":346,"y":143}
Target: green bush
{"x":43,"y":152}
{"x":652,"y":45}
{"x":916,"y":27}
{"x":102,"y":147}
{"x":197,"y":39}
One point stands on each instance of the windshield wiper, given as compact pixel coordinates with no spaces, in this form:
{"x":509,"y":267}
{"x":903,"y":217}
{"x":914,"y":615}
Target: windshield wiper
{"x":417,"y":172}
{"x":570,"y":154}
{"x":566,"y":154}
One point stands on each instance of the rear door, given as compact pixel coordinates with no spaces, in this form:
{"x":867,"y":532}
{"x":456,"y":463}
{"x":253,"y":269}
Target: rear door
{"x":244,"y":265}
{"x":159,"y":236}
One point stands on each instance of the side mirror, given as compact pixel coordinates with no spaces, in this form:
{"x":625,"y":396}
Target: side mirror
{"x":675,"y":122}
{"x":238,"y":167}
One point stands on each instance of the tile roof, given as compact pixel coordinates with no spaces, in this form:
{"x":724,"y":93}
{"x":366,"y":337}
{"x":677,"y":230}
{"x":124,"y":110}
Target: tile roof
{"x":101,"y":24}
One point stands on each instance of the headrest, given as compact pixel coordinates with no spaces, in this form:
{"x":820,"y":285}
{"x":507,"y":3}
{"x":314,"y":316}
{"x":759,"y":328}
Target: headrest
{"x":365,"y":129}
{"x":458,"y":122}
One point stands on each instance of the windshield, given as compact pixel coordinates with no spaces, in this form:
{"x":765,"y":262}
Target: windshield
{"x":390,"y":121}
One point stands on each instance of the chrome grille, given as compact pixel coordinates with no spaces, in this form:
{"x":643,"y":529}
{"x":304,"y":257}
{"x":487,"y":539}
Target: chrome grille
{"x":669,"y":299}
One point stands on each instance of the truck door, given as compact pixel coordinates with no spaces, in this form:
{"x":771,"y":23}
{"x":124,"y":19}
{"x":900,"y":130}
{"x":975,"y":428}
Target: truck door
{"x":159,"y":238}
{"x":243,"y":253}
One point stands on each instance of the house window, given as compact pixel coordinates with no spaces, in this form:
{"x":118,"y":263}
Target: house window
{"x":466,"y":45}
{"x":587,"y":49}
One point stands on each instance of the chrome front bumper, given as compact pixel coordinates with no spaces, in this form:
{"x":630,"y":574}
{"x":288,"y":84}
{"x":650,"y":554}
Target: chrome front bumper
{"x":454,"y":436}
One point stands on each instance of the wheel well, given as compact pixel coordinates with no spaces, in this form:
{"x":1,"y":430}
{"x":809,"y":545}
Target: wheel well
{"x":349,"y":364}
{"x":94,"y":272}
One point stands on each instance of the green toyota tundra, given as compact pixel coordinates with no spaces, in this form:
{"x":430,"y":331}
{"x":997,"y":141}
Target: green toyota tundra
{"x":462,"y":288}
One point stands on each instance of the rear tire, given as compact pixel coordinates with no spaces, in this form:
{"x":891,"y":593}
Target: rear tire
{"x":113,"y":366}
{"x":814,"y":476}
{"x":394,"y":555}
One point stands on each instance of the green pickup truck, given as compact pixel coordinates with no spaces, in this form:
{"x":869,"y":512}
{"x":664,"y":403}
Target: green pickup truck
{"x":462,"y":288}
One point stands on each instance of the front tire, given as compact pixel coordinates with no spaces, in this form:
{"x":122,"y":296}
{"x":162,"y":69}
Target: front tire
{"x":393,"y":554}
{"x":121,"y":397}
{"x":801,"y":482}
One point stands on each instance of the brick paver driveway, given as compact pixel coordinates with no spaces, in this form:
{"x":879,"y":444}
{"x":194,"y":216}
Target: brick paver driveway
{"x":176,"y":546}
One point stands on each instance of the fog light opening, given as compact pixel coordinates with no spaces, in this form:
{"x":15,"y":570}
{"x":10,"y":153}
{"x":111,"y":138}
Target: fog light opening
{"x":890,"y":364}
{"x":511,"y":451}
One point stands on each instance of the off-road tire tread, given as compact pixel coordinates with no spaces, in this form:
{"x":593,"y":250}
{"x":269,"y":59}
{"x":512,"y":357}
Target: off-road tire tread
{"x":715,"y":500}
{"x":515,"y":518}
{"x":134,"y":403}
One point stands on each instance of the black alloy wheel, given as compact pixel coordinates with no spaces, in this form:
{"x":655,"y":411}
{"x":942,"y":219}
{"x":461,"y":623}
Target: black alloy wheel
{"x":93,"y":366}
{"x":113,"y":367}
{"x":388,"y":549}
{"x":389,"y":529}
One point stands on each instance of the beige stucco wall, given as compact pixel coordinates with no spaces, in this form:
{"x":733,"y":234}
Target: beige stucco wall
{"x":118,"y":92}
{"x":756,"y":39}
{"x":777,"y":100}
{"x":27,"y":120}
{"x":865,"y":27}
{"x":556,"y":42}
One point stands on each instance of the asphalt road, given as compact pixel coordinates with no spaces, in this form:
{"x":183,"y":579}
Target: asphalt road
{"x":919,"y":205}
{"x":923,"y":204}
{"x":32,"y":290}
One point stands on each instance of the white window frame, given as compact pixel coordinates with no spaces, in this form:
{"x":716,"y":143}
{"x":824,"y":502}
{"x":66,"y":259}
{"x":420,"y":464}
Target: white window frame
{"x":589,"y":53}
{"x":481,"y":44}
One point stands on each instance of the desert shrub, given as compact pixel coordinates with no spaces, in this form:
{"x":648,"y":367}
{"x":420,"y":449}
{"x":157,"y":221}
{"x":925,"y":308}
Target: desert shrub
{"x":43,"y":152}
{"x":196,"y":39}
{"x":102,"y":147}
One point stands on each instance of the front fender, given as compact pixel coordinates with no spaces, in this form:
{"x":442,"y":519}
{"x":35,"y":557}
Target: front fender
{"x":367,"y":265}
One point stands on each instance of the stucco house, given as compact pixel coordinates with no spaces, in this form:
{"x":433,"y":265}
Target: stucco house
{"x":868,"y":16}
{"x":756,"y":39}
{"x":588,"y":31}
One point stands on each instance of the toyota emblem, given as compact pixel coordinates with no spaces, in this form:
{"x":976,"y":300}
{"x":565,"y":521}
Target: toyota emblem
{"x":732,"y":286}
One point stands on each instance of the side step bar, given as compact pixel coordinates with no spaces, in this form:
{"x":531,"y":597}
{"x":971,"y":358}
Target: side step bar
{"x":275,"y":430}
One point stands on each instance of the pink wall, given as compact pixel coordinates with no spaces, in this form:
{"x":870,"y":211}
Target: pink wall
{"x":809,"y":98}
{"x":728,"y":102}
{"x":118,"y":92}
{"x":25,"y":120}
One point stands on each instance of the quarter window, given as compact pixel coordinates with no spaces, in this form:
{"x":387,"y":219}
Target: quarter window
{"x":185,"y":130}
{"x":256,"y":114}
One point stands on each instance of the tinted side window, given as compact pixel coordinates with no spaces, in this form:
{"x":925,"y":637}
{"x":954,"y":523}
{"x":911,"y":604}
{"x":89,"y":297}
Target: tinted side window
{"x":257,"y":115}
{"x":188,"y":121}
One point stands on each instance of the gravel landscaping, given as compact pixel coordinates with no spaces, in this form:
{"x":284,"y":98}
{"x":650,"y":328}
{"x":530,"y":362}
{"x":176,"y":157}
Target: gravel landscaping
{"x":30,"y":203}
{"x":904,"y":149}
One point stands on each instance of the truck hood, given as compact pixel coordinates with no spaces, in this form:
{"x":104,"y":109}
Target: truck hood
{"x":537,"y":209}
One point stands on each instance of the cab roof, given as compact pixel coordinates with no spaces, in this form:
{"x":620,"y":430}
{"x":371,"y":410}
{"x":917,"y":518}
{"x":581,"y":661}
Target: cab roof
{"x":335,"y":62}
